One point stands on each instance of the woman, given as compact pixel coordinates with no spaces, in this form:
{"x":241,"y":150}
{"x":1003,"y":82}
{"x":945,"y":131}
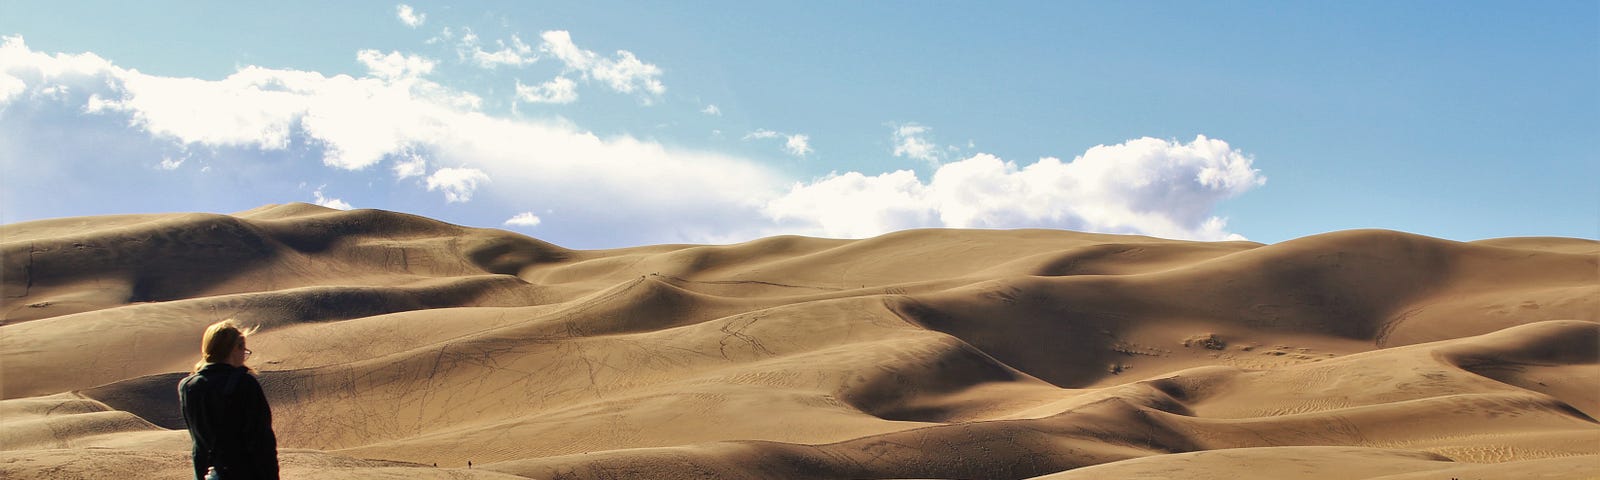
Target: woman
{"x":227,"y":413}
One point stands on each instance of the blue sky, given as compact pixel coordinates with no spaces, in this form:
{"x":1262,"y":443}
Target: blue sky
{"x":600,"y":124}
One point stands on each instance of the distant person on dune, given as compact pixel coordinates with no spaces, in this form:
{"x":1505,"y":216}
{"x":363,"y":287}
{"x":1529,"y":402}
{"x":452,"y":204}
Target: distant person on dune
{"x":226,"y":410}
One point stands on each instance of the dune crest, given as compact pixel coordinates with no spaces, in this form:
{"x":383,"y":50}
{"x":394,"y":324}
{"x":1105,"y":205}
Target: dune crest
{"x":391,"y":343}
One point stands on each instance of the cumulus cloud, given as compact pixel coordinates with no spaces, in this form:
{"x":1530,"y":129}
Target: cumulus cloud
{"x":524,"y":219}
{"x":909,"y":141}
{"x":712,"y":110}
{"x":457,"y":183}
{"x":409,"y":16}
{"x":322,"y":200}
{"x":854,"y":205}
{"x":623,"y":72}
{"x":11,"y":87}
{"x":1147,"y":186}
{"x":559,"y":90}
{"x":198,"y":111}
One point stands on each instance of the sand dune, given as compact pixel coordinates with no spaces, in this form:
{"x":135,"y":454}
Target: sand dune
{"x":392,"y":342}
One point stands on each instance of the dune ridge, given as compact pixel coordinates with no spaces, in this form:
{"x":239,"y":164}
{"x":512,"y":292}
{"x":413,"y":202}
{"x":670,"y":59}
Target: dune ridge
{"x":392,"y":342}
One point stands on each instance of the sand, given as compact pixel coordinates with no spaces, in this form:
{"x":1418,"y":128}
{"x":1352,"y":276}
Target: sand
{"x":391,"y":343}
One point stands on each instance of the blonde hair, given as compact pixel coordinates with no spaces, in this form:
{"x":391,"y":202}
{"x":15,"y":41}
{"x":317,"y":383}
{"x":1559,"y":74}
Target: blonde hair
{"x":219,"y":341}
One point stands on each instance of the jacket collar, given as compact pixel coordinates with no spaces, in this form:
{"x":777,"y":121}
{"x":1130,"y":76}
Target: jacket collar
{"x":211,"y":368}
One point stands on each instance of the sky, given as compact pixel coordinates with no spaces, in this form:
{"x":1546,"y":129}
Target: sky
{"x":611,"y":124}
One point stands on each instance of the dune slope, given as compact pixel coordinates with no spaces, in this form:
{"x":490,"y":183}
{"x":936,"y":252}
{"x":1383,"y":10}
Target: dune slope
{"x":392,"y":343}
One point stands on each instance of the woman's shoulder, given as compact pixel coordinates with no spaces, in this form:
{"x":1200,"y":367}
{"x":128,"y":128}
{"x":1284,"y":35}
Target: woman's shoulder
{"x":247,"y":380}
{"x":228,"y":374}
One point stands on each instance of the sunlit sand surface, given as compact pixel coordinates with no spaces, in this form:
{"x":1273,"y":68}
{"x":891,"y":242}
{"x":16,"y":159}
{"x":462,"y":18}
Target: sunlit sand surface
{"x":391,"y":343}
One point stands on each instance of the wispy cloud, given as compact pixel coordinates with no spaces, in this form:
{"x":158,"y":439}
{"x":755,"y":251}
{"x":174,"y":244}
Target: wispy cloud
{"x":559,"y":90}
{"x":762,"y":133}
{"x":712,"y":110}
{"x":623,"y":72}
{"x":409,"y":16}
{"x":798,"y":144}
{"x":514,"y":54}
{"x":445,"y":35}
{"x":410,"y":165}
{"x":395,"y":65}
{"x":910,"y":141}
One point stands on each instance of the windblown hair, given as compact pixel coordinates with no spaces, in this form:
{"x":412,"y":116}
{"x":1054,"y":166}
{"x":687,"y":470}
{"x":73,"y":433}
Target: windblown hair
{"x":219,"y":341}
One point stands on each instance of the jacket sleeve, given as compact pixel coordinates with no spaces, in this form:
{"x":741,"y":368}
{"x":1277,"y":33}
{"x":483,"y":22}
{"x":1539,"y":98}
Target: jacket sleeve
{"x":263,"y":443}
{"x":202,"y":462}
{"x":192,"y":415}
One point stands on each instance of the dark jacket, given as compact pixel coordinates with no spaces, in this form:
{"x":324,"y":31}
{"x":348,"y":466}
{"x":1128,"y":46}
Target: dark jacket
{"x":230,"y":423}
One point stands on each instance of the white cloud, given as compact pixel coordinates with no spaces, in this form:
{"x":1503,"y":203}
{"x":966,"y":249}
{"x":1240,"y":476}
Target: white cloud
{"x":357,"y":120}
{"x":909,"y":142}
{"x":853,"y":205}
{"x":1147,"y":186}
{"x":524,"y":219}
{"x":394,"y":65}
{"x":445,"y":35}
{"x":170,"y":163}
{"x":798,"y":145}
{"x":237,"y":111}
{"x":628,"y":191}
{"x":712,"y":110}
{"x":354,"y":123}
{"x":458,"y":184}
{"x":22,"y":62}
{"x":412,"y":165}
{"x":624,"y":72}
{"x":56,"y":92}
{"x":762,"y":133}
{"x":409,"y":16}
{"x":10,"y":87}
{"x":559,"y":90}
{"x":515,"y":54}
{"x":329,"y":202}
